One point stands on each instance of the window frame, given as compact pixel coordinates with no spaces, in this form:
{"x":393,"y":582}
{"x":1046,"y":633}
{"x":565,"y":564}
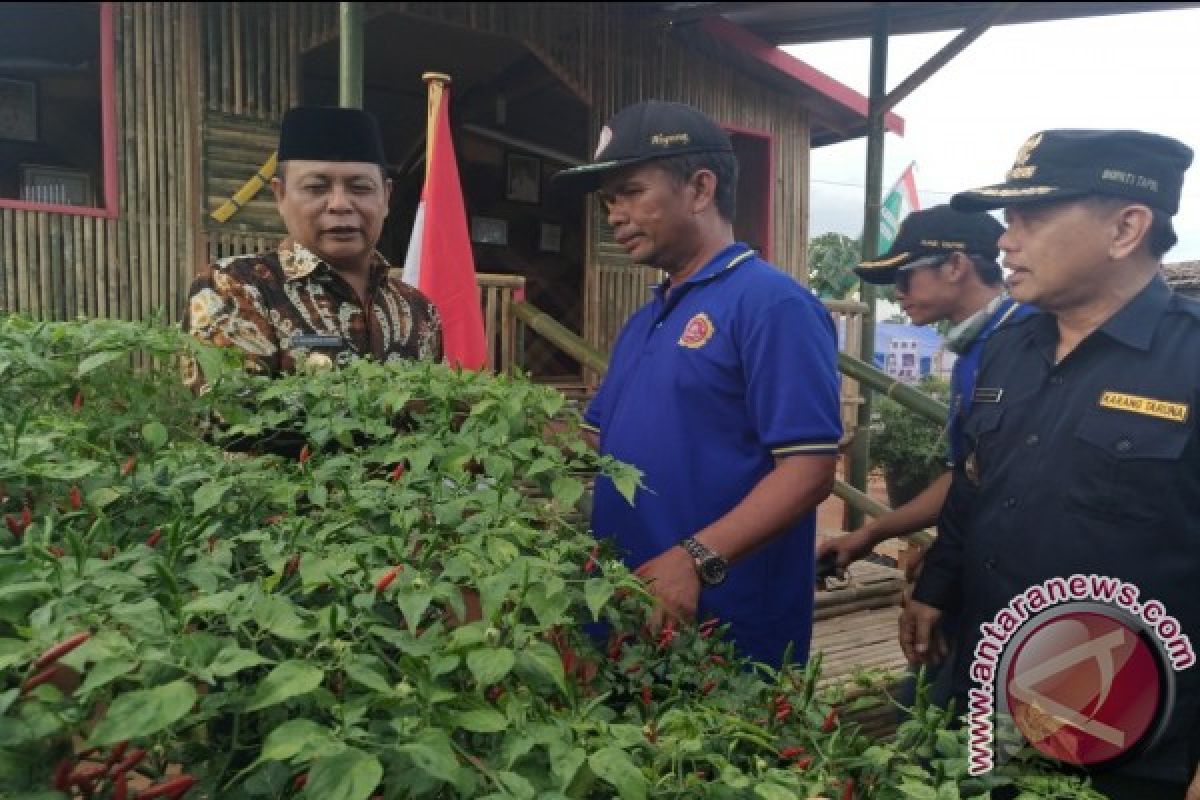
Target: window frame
{"x":108,"y":132}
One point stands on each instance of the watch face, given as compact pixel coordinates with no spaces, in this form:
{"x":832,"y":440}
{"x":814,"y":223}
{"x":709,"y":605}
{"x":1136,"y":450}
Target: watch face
{"x":713,"y":571}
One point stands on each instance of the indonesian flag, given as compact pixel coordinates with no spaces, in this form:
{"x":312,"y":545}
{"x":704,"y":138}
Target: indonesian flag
{"x":439,"y":260}
{"x":896,"y":205}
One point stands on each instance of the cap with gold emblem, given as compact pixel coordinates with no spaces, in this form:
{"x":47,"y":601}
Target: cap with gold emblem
{"x":935,"y":231}
{"x":643,"y":132}
{"x":1067,"y":164}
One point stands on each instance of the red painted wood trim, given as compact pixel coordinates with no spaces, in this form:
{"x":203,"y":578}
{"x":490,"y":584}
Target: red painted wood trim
{"x":108,"y":132}
{"x":770,"y":187}
{"x":742,"y":39}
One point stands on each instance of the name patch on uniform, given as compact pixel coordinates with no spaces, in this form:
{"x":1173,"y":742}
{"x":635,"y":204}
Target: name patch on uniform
{"x":314,"y":340}
{"x":1147,"y":406}
{"x":697,"y":332}
{"x":987,"y":395}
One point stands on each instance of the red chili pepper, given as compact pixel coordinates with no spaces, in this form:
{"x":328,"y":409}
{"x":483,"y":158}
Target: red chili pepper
{"x":791,"y":752}
{"x":77,"y":403}
{"x":154,"y":537}
{"x":397,"y":472}
{"x":848,"y":789}
{"x":803,"y":763}
{"x":495,"y":693}
{"x":635,"y":668}
{"x":61,"y":649}
{"x":708,"y":687}
{"x":568,"y":659}
{"x":292,"y":565}
{"x":45,"y":676}
{"x":132,"y":760}
{"x":719,"y":660}
{"x":75,"y":498}
{"x":387,"y":578}
{"x":61,"y":772}
{"x":305,"y":454}
{"x":590,"y":565}
{"x":56,"y":551}
{"x":273,"y":519}
{"x":666,"y":636}
{"x":300,"y":782}
{"x":87,"y":774}
{"x":128,"y":466}
{"x":708,"y":627}
{"x":614,"y":649}
{"x":14,"y":525}
{"x":117,"y":753}
{"x":647,"y":695}
{"x":173,"y":788}
{"x":120,"y":786}
{"x":26,"y":517}
{"x":830,"y":721}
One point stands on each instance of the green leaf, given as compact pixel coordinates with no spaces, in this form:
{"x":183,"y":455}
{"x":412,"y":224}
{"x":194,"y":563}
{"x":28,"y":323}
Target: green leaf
{"x":144,"y":712}
{"x":773,"y":791}
{"x":75,"y":470}
{"x":413,"y":605}
{"x":289,"y":679}
{"x":97,"y":360}
{"x":540,"y":661}
{"x":208,"y":496}
{"x":917,"y":791}
{"x":433,"y":755}
{"x":278,"y":615}
{"x":154,"y":434}
{"x":626,"y":481}
{"x":596,"y":594}
{"x":104,"y":496}
{"x":105,"y":672}
{"x":348,"y":775}
{"x":614,"y":766}
{"x":297,"y":737}
{"x":566,"y":491}
{"x":234,"y":659}
{"x":362,"y":671}
{"x":482,"y":720}
{"x":490,"y":665}
{"x":12,"y":652}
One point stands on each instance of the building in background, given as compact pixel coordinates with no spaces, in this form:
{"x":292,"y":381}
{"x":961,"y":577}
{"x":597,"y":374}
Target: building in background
{"x":911,"y":352}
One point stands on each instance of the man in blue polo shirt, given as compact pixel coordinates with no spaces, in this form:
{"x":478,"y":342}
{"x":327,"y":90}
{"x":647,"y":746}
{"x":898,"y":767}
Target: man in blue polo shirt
{"x":943,"y":264}
{"x":723,"y":390}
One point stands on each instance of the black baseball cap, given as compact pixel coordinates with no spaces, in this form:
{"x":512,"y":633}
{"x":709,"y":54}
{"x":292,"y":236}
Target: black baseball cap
{"x":327,"y":133}
{"x":935,"y":231}
{"x":643,"y":132}
{"x":1059,"y":165}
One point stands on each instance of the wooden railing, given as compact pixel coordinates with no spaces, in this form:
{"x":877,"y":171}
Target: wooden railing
{"x":500,"y":326}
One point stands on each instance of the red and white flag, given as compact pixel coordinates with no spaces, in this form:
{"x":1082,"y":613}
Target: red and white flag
{"x":439,"y":260}
{"x":897,"y":204}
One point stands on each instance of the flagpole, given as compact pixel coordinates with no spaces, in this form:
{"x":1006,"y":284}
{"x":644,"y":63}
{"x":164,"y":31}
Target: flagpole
{"x":437,"y":83}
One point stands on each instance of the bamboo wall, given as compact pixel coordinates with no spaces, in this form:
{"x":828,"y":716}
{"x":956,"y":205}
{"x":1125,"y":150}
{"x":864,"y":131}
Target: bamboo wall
{"x":56,"y":266}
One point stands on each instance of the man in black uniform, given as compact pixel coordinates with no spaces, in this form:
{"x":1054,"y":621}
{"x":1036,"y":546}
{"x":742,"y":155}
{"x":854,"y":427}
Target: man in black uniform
{"x":1082,"y":447}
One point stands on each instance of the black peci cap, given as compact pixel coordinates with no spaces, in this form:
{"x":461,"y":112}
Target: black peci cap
{"x":326,"y":133}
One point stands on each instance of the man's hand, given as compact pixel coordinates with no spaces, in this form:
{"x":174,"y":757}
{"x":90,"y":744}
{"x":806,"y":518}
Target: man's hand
{"x":849,"y":547}
{"x":920,"y":638}
{"x":672,"y":579}
{"x":1193,"y":792}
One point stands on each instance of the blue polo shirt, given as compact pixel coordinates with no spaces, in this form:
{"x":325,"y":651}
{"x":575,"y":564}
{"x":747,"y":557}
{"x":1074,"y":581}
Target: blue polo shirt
{"x":708,"y":384}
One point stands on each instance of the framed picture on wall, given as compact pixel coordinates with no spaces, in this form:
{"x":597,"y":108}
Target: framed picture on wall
{"x":550,"y":240}
{"x":18,"y":110}
{"x":523,"y":179}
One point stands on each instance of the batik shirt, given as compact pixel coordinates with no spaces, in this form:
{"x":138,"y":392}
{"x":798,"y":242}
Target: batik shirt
{"x":287,"y":307}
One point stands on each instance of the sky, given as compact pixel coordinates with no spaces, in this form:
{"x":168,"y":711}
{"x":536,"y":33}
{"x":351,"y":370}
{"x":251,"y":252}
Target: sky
{"x":964,"y":125}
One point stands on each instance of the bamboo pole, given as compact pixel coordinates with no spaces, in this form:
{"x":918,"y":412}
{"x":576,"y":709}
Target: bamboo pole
{"x":9,"y":256}
{"x":154,"y":198}
{"x":912,"y":399}
{"x":45,"y":278}
{"x":350,"y":55}
{"x":21,"y":291}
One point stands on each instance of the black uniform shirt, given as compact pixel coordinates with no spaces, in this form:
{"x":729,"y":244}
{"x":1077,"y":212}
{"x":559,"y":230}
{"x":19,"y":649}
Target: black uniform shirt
{"x":1091,"y":465}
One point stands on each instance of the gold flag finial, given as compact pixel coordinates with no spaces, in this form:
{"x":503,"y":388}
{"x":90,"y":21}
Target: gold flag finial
{"x":436,"y":77}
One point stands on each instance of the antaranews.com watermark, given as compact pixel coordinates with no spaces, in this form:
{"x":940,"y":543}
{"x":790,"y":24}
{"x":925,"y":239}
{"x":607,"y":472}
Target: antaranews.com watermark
{"x":1086,"y":682}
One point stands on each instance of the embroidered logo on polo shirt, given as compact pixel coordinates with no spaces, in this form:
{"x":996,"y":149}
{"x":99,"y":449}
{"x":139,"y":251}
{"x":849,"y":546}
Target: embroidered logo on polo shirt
{"x":698,"y":331}
{"x":1146,"y":406}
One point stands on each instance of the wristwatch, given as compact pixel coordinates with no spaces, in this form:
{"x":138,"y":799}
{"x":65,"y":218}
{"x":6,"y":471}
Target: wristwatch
{"x":710,"y":566}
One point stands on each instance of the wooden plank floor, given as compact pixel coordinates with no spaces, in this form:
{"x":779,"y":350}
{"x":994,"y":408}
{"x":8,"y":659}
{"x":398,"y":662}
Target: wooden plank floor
{"x":857,"y":619}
